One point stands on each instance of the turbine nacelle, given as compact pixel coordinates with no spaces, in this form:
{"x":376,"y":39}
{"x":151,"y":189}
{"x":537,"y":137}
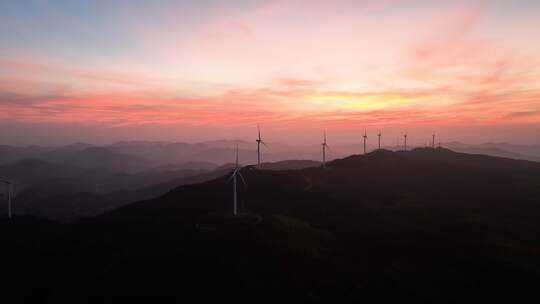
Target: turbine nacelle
{"x":259,"y":142}
{"x":365,"y":139}
{"x":405,"y":141}
{"x":324,"y":147}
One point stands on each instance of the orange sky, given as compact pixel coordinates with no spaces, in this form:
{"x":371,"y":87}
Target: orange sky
{"x":468,"y":70}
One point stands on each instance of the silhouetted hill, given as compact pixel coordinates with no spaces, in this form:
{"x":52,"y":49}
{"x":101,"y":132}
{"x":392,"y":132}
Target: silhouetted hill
{"x":422,"y":226}
{"x":101,"y":157}
{"x":9,"y":154}
{"x":529,"y":150}
{"x":202,"y":165}
{"x":72,"y":148}
{"x":71,"y":198}
{"x":169,"y":153}
{"x":80,"y":179}
{"x":425,"y":175}
{"x":290,"y":165}
{"x":531,"y":153}
{"x":30,"y":171}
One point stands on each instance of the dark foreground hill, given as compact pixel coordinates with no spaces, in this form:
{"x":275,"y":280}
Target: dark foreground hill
{"x":425,"y":226}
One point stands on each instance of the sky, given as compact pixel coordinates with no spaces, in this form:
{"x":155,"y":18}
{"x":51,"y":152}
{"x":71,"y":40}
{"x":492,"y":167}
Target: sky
{"x":103,"y":71}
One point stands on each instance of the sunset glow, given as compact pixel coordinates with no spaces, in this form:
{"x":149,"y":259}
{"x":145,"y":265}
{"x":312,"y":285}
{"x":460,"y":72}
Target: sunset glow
{"x":215,"y":68}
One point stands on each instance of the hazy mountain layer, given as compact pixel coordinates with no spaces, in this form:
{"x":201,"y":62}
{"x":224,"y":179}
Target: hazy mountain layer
{"x":424,"y":226}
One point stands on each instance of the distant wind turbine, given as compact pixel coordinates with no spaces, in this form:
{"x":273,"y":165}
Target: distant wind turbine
{"x":379,"y":135}
{"x":324,"y":147}
{"x":405,"y":142}
{"x":10,"y":192}
{"x":365,"y":140}
{"x":259,"y":142}
{"x":433,"y":142}
{"x":236,"y":173}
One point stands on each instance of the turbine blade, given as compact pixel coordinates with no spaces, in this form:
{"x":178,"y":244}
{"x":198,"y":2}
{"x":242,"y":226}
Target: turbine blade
{"x":235,"y":172}
{"x":264,"y":143}
{"x":242,"y":178}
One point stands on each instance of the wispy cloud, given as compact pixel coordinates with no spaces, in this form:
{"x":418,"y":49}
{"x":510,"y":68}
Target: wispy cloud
{"x":299,"y":64}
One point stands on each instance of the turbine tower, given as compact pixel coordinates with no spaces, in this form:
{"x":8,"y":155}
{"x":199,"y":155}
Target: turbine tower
{"x":259,"y":142}
{"x":10,"y":192}
{"x":236,"y":173}
{"x":379,"y":135}
{"x":365,"y":139}
{"x":405,"y":137}
{"x":324,"y":146}
{"x":433,"y":141}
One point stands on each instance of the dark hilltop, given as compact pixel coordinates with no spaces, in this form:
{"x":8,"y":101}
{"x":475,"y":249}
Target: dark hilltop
{"x":423,"y":226}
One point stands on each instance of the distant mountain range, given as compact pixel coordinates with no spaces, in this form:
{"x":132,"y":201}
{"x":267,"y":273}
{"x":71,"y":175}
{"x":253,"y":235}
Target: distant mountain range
{"x":421,"y":226}
{"x":531,"y":153}
{"x":92,"y":175}
{"x":137,"y":155}
{"x":441,"y":175}
{"x":83,"y":180}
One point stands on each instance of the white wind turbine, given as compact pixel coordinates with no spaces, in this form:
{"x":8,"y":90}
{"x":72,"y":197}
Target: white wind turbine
{"x":365,"y":140}
{"x":324,"y":147}
{"x":236,"y":173}
{"x":259,"y":142}
{"x":405,"y":141}
{"x":379,"y":135}
{"x":10,"y":192}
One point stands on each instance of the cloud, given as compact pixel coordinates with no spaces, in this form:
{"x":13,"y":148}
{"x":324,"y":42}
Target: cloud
{"x":334,"y":67}
{"x":449,"y":35}
{"x":522,"y":117}
{"x":298,"y":82}
{"x":294,"y":102}
{"x":39,"y":75}
{"x":7,"y":98}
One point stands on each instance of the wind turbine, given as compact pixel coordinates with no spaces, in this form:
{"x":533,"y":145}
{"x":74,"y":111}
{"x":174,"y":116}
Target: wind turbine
{"x":379,"y":135}
{"x":10,"y":191}
{"x":324,"y":147}
{"x":236,"y":173}
{"x":405,"y":137}
{"x":259,"y":142}
{"x":365,"y":139}
{"x":433,"y":142}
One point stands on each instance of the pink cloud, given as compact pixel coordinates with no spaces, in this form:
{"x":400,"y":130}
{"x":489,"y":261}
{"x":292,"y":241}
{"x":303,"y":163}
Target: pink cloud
{"x":451,"y":72}
{"x":246,"y":107}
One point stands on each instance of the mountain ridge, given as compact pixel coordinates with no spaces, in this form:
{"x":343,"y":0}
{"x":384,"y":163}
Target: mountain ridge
{"x":412,"y":226}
